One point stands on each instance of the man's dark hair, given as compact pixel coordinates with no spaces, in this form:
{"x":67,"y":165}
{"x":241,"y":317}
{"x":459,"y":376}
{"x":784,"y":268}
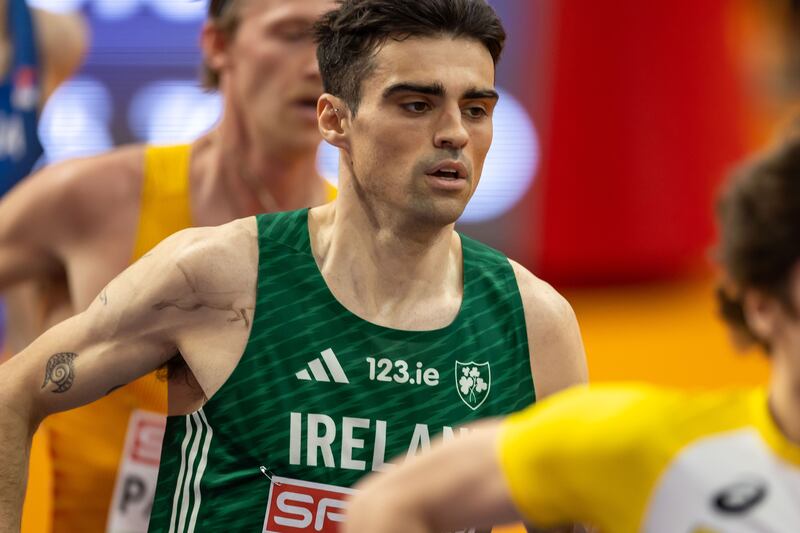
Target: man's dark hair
{"x":348,"y":37}
{"x":759,"y":218}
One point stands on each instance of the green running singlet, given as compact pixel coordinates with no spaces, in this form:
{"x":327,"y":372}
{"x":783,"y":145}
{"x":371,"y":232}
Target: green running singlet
{"x":321,"y":397}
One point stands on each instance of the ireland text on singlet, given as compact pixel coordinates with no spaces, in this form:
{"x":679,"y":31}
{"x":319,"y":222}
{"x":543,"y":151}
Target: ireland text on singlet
{"x":321,"y":397}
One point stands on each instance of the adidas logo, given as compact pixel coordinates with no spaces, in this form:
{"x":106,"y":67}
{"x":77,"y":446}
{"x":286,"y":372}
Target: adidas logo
{"x":318,"y":365}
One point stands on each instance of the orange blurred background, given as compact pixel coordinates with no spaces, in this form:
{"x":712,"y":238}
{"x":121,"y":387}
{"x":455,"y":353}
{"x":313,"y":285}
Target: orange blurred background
{"x":648,"y":107}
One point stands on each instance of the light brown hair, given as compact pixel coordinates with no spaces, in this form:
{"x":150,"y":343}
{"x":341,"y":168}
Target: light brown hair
{"x":224,"y":15}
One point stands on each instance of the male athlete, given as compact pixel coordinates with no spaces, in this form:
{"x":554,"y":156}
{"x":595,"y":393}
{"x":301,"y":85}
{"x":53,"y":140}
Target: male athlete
{"x":638,"y":458}
{"x":308,"y":348}
{"x":74,"y":226}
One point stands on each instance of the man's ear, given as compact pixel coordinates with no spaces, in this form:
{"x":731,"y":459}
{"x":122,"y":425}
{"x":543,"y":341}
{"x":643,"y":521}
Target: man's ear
{"x":214,"y":44}
{"x":333,"y":118}
{"x":762,"y":313}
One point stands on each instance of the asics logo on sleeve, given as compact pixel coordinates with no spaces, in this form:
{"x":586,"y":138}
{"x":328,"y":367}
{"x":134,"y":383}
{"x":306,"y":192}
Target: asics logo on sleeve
{"x":740,"y":497}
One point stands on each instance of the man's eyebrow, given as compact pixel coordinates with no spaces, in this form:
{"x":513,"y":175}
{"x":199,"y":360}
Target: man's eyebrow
{"x":295,"y":20}
{"x":480,"y":94}
{"x":437,"y":89}
{"x":433,"y":89}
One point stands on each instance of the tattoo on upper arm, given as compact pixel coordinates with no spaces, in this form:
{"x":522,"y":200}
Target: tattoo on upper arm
{"x":198,"y":299}
{"x":104,"y":297}
{"x":239,"y":314}
{"x":60,"y":371}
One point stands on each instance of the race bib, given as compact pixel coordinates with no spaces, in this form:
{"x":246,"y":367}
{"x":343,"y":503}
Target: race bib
{"x":138,"y":474}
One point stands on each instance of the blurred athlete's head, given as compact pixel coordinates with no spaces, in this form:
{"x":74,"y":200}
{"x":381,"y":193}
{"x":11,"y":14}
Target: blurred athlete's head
{"x":409,"y":99}
{"x":261,"y":55}
{"x":759,"y":249}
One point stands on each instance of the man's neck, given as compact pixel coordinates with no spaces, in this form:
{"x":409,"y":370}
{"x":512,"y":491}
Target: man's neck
{"x":382,"y":270}
{"x":785,"y":398}
{"x":254,"y":178}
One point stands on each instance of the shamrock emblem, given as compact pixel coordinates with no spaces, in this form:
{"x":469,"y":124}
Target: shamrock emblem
{"x":473,"y":382}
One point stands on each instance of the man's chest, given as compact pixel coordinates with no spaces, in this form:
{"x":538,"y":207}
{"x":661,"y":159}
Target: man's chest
{"x":308,"y":425}
{"x":100,"y":255}
{"x":339,"y":408}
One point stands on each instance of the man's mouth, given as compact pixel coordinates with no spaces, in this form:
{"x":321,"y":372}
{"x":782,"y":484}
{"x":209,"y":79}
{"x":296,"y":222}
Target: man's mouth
{"x":449,"y":170}
{"x":446,"y":174}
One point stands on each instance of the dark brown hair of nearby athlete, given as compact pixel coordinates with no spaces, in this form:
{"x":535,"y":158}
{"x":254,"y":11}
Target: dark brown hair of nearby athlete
{"x":224,"y":15}
{"x":759,"y":220}
{"x":349,"y":37}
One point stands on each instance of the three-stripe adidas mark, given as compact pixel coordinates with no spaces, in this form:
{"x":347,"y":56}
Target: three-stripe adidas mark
{"x":318,"y":369}
{"x":194,"y":458}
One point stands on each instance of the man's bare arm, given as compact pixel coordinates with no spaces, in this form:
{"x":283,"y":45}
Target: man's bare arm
{"x":558,"y":359}
{"x":60,"y":206}
{"x":26,"y":251}
{"x":455,"y":486}
{"x":129,"y":330}
{"x":62,"y":39}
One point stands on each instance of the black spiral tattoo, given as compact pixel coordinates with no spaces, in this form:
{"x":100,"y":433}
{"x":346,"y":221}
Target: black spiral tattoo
{"x":60,"y":371}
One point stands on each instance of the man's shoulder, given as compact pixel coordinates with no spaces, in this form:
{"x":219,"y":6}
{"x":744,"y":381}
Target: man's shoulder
{"x":646,"y":415}
{"x":217,"y":251}
{"x":62,"y":39}
{"x":480,"y":253}
{"x":611,"y":401}
{"x":75,"y":194}
{"x":113,"y":176}
{"x":225,"y":237}
{"x":610,"y":421}
{"x":540,"y":298}
{"x":588,"y":437}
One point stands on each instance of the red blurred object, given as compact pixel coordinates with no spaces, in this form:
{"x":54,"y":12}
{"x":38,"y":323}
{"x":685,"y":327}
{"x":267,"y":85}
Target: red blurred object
{"x":645,"y":119}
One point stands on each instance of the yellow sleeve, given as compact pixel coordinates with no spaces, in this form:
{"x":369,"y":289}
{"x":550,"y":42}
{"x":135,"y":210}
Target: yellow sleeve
{"x":591,"y":455}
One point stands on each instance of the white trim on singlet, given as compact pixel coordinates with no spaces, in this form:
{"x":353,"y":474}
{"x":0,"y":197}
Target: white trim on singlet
{"x":201,"y":468}
{"x":176,"y":497}
{"x":189,"y":475}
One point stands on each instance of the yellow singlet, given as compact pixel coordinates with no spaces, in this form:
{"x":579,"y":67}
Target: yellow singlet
{"x":101,"y":455}
{"x":86,"y":443}
{"x":640,"y":459}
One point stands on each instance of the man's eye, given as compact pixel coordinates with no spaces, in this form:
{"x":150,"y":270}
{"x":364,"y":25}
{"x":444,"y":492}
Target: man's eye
{"x":476,"y":112}
{"x":295,"y":36}
{"x":416,"y":107}
{"x":293,"y":32}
